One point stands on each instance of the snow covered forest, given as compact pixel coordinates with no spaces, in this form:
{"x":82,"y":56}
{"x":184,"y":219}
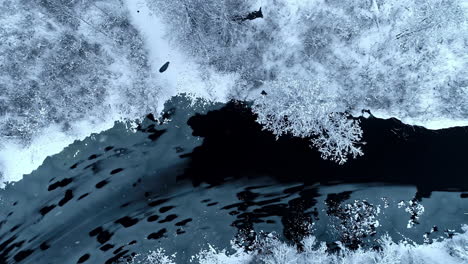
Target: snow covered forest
{"x":69,"y":68}
{"x":318,"y":60}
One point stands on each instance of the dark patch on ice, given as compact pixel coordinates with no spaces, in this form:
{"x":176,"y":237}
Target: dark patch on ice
{"x":127,"y":221}
{"x":94,"y":156}
{"x":164,"y":67}
{"x":132,"y":242}
{"x":108,"y":148}
{"x":184,"y":222}
{"x":152,"y":218}
{"x":46,"y":209}
{"x":74,"y":166}
{"x":44,"y":246}
{"x":158,"y":202}
{"x":118,"y":249}
{"x":151,"y":117}
{"x":187,"y":155}
{"x":106,"y":247}
{"x":464,"y":195}
{"x":168,"y":218}
{"x":95,"y":167}
{"x":179,"y":149}
{"x":125,"y":205}
{"x":83,"y":196}
{"x":20,"y":256}
{"x":95,"y":231}
{"x":101,"y":184}
{"x":118,"y":257}
{"x":68,"y":196}
{"x":158,"y":234}
{"x":83,"y":258}
{"x":165,"y":209}
{"x":212,"y":204}
{"x":61,"y":184}
{"x":116,"y":171}
{"x":104,"y":236}
{"x":13,"y":229}
{"x":155,"y":134}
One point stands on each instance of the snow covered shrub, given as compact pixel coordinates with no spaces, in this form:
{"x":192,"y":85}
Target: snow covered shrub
{"x":157,"y":256}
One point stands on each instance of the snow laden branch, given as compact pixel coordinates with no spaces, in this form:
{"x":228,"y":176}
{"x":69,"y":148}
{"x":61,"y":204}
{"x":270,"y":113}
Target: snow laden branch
{"x":302,"y":108}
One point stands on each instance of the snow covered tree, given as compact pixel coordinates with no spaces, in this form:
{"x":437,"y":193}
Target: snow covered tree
{"x":65,"y":61}
{"x":303,"y":108}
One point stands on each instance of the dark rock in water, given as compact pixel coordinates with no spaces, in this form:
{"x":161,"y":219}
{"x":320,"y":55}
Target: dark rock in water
{"x":164,"y":67}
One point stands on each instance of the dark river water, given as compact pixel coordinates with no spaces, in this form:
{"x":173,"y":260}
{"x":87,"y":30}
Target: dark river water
{"x":210,"y":176}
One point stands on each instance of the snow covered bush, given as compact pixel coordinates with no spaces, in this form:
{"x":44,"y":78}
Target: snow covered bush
{"x":157,"y":256}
